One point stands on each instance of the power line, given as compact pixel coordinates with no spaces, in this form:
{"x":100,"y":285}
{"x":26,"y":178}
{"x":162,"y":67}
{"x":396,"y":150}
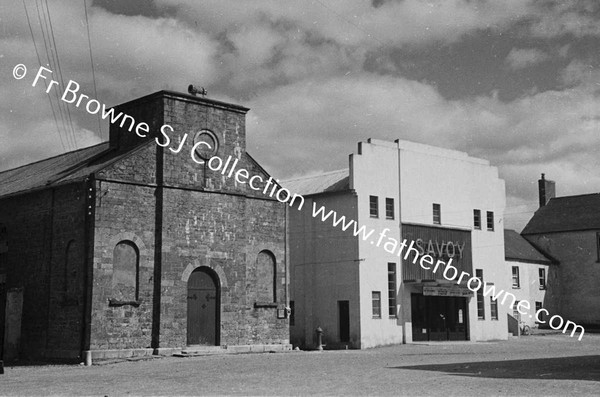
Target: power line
{"x":50,"y":59}
{"x":87,"y":25}
{"x":68,"y":111}
{"x":45,"y":83}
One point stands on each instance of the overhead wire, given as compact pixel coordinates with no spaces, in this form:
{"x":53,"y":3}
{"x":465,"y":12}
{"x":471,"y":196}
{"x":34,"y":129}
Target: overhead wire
{"x":45,"y":83}
{"x":59,"y":70}
{"x":50,"y":59}
{"x":87,"y":25}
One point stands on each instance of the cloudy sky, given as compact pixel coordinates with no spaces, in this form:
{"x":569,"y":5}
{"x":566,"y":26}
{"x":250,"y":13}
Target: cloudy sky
{"x":513,"y":81}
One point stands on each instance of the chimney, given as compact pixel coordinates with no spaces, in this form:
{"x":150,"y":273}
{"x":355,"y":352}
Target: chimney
{"x":547,"y":190}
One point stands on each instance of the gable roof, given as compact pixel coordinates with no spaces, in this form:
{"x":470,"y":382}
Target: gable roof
{"x":563,"y":214}
{"x":516,"y":248}
{"x":57,"y":170}
{"x":333,"y":181}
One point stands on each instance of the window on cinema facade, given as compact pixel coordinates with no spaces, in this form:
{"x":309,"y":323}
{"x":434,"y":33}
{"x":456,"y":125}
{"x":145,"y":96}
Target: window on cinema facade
{"x":374,"y":206}
{"x":437,"y":214}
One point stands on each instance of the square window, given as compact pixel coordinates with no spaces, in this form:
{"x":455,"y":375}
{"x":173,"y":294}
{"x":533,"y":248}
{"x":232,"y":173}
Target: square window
{"x":477,"y":219}
{"x":490,"y":221}
{"x":389,"y":208}
{"x":437,"y":214}
{"x":542,"y":277}
{"x":374,"y":206}
{"x":376,"y":299}
{"x":516,"y":283}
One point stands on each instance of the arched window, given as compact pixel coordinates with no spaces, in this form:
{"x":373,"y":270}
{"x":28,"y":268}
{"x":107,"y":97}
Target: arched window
{"x":266,"y":274}
{"x":126,"y":271}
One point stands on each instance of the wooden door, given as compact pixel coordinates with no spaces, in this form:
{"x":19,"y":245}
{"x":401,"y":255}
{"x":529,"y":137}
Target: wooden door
{"x":202,"y":309}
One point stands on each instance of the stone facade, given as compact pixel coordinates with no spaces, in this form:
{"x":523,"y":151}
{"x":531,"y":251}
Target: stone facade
{"x":110,"y":254}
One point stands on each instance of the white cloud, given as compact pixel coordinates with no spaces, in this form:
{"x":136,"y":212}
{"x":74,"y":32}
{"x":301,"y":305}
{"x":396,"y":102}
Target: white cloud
{"x":520,"y":58}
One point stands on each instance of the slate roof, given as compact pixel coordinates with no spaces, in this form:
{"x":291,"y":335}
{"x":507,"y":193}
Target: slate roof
{"x":517,"y":248}
{"x":333,"y":181}
{"x":57,"y":170}
{"x":565,"y":214}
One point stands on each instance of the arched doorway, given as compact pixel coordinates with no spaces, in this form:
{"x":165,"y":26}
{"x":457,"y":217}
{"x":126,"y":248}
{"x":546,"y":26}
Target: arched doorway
{"x":203,"y":308}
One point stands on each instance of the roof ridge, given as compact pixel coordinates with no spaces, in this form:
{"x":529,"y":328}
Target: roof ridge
{"x":575,"y":195}
{"x":53,"y":157}
{"x":317,"y":175}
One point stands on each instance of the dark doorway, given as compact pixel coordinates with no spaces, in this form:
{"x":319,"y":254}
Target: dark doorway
{"x":344,"y":319}
{"x":203,"y":310}
{"x":438,"y":318}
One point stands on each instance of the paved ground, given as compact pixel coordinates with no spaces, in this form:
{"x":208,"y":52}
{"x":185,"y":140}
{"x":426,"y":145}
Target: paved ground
{"x":534,"y":365}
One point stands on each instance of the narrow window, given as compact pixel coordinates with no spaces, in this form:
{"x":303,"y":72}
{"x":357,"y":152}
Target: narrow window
{"x":542,"y":274}
{"x":389,"y":208}
{"x":480,"y":300}
{"x":515,"y":277}
{"x":292,"y":313}
{"x":493,"y":308}
{"x":266,"y":276}
{"x":374,"y":206}
{"x":126,"y":271}
{"x":490,"y":221}
{"x":477,"y":219}
{"x":437,"y":214}
{"x":376,"y":299}
{"x":392,"y":289}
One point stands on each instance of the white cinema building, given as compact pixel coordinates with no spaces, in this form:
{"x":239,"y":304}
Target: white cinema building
{"x":360,"y":294}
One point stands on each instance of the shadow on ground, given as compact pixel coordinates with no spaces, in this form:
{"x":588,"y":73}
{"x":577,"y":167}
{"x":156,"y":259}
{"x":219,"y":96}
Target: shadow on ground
{"x":575,"y":368}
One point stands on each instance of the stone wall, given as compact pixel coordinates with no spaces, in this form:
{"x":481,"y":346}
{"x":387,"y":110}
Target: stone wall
{"x":45,"y":257}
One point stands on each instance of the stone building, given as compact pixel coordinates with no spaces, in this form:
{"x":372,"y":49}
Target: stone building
{"x":567,"y":229}
{"x":354,"y":282}
{"x":138,"y":246}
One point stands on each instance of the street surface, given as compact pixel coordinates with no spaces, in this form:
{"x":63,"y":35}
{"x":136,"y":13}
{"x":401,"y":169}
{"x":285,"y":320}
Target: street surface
{"x":535,"y":365}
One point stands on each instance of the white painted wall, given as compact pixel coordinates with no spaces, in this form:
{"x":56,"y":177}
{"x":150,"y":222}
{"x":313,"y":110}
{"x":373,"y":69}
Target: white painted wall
{"x":459,"y":183}
{"x":529,"y":288}
{"x":374,"y":171}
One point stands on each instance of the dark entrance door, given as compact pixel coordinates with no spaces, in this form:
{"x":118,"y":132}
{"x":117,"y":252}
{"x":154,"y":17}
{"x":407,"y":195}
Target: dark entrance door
{"x":437,"y":318}
{"x":202,"y":308}
{"x":344,"y":320}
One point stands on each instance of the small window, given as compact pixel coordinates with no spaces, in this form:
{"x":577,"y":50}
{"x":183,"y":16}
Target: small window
{"x":376,"y":299}
{"x":292,"y":313}
{"x":493,"y":308}
{"x":538,"y":307}
{"x":392,"y":289}
{"x":490,"y":221}
{"x":477,"y":219}
{"x":515,"y":277}
{"x":515,"y":309}
{"x":437,"y":214}
{"x":374,"y":206}
{"x":389,"y":208}
{"x":542,"y":274}
{"x":480,"y":298}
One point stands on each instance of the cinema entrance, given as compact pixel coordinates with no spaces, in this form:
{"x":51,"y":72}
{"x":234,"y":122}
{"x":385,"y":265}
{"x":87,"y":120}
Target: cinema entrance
{"x":439,"y":318}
